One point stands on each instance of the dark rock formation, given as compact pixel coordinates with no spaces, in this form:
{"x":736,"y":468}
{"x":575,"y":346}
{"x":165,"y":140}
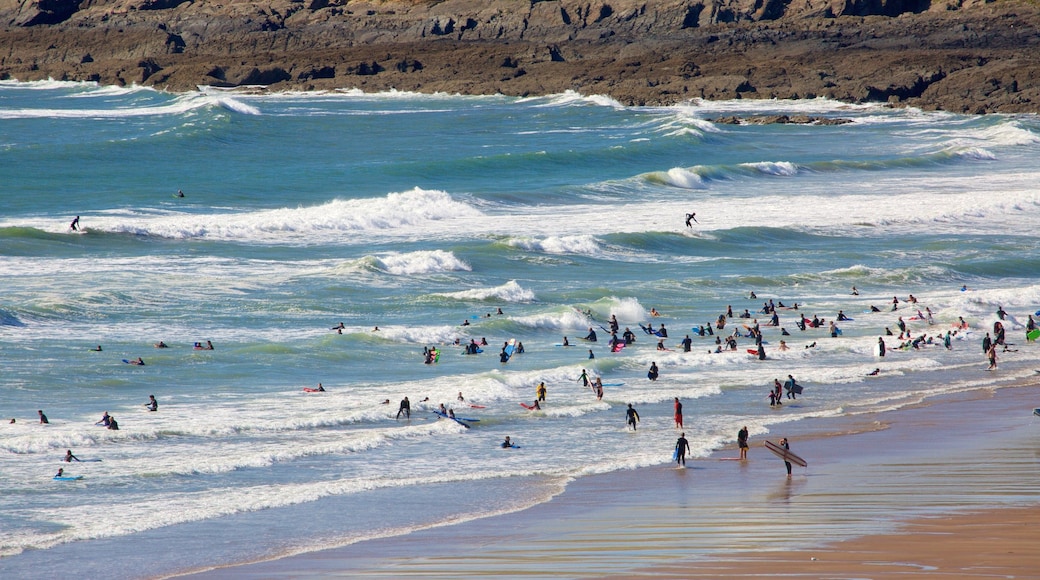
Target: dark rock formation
{"x":961,"y":55}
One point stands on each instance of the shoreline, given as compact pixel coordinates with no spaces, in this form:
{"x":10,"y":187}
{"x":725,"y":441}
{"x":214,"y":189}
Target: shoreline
{"x":863,"y":492}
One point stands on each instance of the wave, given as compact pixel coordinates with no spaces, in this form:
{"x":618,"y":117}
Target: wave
{"x":160,"y":105}
{"x":395,"y":211}
{"x":584,"y":245}
{"x":508,"y":292}
{"x":422,"y":262}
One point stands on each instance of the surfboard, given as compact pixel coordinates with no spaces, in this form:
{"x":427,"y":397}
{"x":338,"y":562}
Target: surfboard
{"x":753,"y":351}
{"x":618,"y":347}
{"x":311,"y":390}
{"x":675,"y":454}
{"x":1036,"y":412}
{"x":133,"y":362}
{"x":510,"y":347}
{"x":526,"y":406}
{"x":1033,"y":334}
{"x":81,"y":461}
{"x":785,"y":454}
{"x":456,"y":419}
{"x":68,"y":478}
{"x":612,"y":384}
{"x":478,"y":407}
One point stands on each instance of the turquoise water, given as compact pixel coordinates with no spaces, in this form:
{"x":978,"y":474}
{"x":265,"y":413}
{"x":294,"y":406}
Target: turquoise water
{"x":414,"y":214}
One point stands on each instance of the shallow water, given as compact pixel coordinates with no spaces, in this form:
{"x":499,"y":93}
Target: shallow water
{"x":416,"y":213}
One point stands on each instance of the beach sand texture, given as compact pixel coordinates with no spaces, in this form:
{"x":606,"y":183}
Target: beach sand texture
{"x":946,"y":489}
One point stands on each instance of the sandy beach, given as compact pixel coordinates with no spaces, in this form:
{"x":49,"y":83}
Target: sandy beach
{"x":946,"y":488}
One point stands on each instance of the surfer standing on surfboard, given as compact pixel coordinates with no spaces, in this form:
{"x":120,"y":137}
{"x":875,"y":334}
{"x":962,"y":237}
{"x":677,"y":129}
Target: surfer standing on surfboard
{"x":691,"y":217}
{"x":75,"y":224}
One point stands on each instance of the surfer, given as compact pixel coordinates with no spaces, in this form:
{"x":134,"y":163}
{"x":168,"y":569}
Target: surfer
{"x":787,"y":464}
{"x":599,"y":389}
{"x":565,"y":342}
{"x":592,"y":355}
{"x":874,"y":372}
{"x":507,"y":443}
{"x":461,"y":398}
{"x":854,"y":291}
{"x":153,"y":405}
{"x":61,"y":472}
{"x":681,"y":447}
{"x":687,"y":343}
{"x":691,"y":217}
{"x":631,"y":416}
{"x":98,"y":349}
{"x":69,"y":457}
{"x":653,"y":372}
{"x":161,"y":344}
{"x":881,"y":346}
{"x":678,"y":414}
{"x":536,"y":406}
{"x":992,"y":354}
{"x":43,"y":418}
{"x":540,"y":391}
{"x":113,"y":425}
{"x":105,"y":420}
{"x":791,"y":386}
{"x":584,"y":378}
{"x":591,"y":336}
{"x":75,"y":224}
{"x":406,"y":408}
{"x":742,"y":436}
{"x":180,"y":193}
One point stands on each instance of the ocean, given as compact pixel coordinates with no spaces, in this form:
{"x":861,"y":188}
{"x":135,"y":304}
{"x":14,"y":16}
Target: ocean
{"x":416,"y":221}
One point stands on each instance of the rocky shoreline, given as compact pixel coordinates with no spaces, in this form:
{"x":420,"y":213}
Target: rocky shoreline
{"x":968,"y":57}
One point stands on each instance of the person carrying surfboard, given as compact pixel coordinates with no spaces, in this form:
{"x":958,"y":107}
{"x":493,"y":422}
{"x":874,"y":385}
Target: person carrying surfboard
{"x":681,"y":448}
{"x":787,"y":446}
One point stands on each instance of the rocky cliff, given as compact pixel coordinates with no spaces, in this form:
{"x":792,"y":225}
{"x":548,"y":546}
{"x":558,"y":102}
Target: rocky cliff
{"x":973,"y":56}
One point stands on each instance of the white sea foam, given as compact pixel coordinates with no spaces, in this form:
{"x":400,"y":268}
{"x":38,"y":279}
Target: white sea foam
{"x":781,"y":168}
{"x":423,"y":262}
{"x":508,"y":292}
{"x":578,"y":244}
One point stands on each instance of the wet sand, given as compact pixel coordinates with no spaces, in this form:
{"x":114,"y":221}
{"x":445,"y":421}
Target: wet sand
{"x":947,"y":488}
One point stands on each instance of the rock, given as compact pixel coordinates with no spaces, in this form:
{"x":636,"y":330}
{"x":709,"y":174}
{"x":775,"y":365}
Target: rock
{"x":958,"y":55}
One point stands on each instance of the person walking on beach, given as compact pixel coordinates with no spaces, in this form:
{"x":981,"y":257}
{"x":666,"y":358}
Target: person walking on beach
{"x":742,"y":436}
{"x":682,"y":446}
{"x":678,"y":414}
{"x":787,"y":464}
{"x":406,"y":408}
{"x":631,"y":416}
